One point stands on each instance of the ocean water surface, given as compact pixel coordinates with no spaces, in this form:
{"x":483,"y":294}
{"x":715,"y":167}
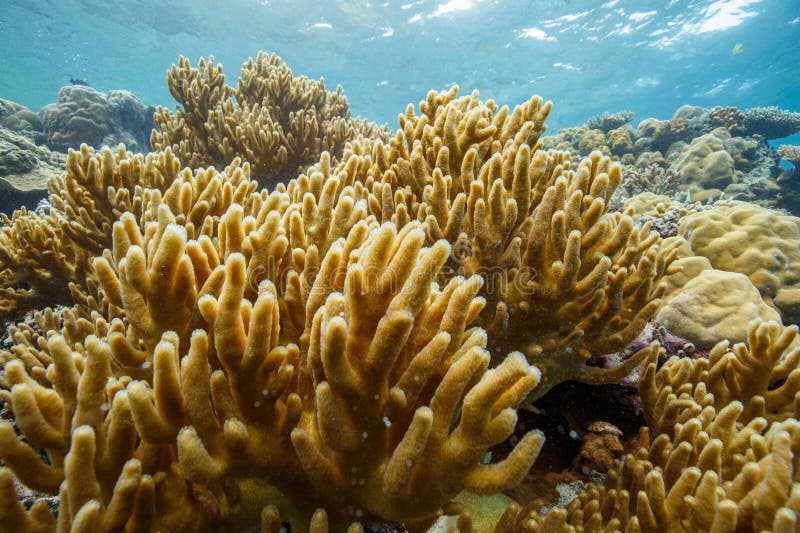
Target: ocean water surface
{"x":648,"y":56}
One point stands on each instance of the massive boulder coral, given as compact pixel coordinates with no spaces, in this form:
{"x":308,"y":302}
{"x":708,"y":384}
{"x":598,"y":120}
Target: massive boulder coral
{"x":760,"y":243}
{"x":24,"y":169}
{"x":705,"y":163}
{"x":17,"y":117}
{"x":82,"y":114}
{"x":713,"y":306}
{"x":272,"y":119}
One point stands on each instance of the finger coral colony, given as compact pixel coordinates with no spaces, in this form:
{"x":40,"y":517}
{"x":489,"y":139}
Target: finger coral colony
{"x":353,"y":346}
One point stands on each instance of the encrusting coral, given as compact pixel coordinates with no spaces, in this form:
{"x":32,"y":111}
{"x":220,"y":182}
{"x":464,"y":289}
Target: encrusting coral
{"x":355,"y":340}
{"x":275,"y":121}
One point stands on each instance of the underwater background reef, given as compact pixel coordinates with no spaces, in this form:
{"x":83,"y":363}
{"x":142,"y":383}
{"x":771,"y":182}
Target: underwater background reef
{"x":243,"y":306}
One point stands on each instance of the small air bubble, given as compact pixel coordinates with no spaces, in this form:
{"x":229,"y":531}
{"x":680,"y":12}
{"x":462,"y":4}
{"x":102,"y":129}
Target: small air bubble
{"x":104,"y":407}
{"x":341,"y":314}
{"x":146,"y":365}
{"x":364,"y":435}
{"x":265,"y":392}
{"x":387,"y":422}
{"x":409,"y":463}
{"x":574,"y":435}
{"x":256,"y":403}
{"x":376,"y":397}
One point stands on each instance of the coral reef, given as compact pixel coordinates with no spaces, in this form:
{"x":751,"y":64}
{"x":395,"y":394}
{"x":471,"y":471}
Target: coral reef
{"x":729,"y":118}
{"x":44,"y":252}
{"x":653,"y":179}
{"x":350,"y":349}
{"x":620,"y":141}
{"x":277,"y":122}
{"x":659,"y":135}
{"x":331,"y":338}
{"x":789,"y":180}
{"x":712,"y":150}
{"x":82,"y":114}
{"x":36,"y":265}
{"x":706,"y":163}
{"x":540,"y":237}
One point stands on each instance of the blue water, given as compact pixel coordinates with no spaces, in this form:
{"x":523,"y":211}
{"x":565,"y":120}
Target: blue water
{"x":587,"y":56}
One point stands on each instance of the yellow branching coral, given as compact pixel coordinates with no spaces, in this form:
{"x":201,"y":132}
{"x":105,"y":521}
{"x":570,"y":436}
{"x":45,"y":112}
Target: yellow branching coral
{"x":154,"y":282}
{"x":564,"y":279}
{"x":99,"y":187}
{"x":359,"y":420}
{"x":42,"y":253}
{"x":106,"y":478}
{"x":341,"y":342}
{"x":272,"y":119}
{"x":763,"y":375}
{"x":30,"y":345}
{"x":723,"y":456}
{"x":37,"y":263}
{"x":47,"y":418}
